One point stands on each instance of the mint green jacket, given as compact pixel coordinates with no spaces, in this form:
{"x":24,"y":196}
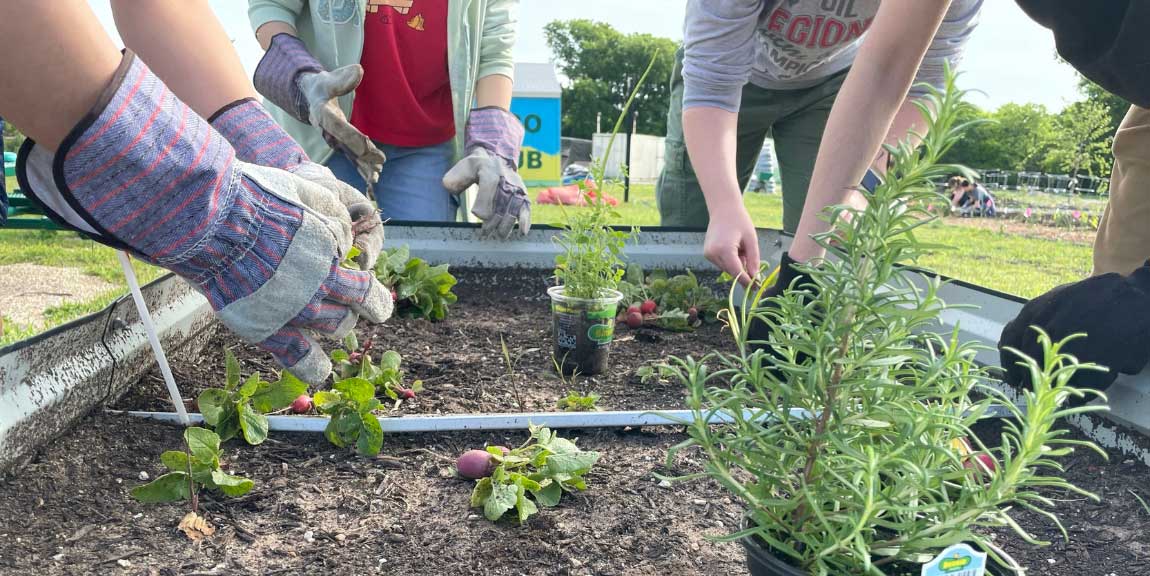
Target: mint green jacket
{"x":481,"y":34}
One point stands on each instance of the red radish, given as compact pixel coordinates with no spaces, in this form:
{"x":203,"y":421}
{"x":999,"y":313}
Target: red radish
{"x":982,"y":463}
{"x":634,"y":309}
{"x":394,"y":295}
{"x":302,"y":404}
{"x":475,"y":464}
{"x":692,"y":314}
{"x":634,"y":319}
{"x":648,"y":307}
{"x":406,"y":393}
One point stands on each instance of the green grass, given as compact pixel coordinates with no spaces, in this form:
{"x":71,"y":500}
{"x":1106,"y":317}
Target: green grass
{"x":1051,"y":201}
{"x":1017,"y":265}
{"x":66,"y":250}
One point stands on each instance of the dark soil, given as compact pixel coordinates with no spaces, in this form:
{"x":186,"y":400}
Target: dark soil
{"x":461,"y":361}
{"x":320,"y":510}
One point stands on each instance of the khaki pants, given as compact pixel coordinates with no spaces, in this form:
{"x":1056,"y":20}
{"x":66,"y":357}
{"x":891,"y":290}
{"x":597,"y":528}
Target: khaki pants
{"x":794,"y":118}
{"x":1123,"y":240}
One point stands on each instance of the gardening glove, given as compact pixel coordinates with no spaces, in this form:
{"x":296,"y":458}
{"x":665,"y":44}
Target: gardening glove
{"x":258,"y":139}
{"x":492,"y":152}
{"x":1112,"y":310}
{"x":143,"y":173}
{"x":294,"y":80}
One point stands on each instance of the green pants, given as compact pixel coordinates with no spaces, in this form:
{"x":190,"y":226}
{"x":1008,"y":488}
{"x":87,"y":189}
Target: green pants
{"x":794,"y":118}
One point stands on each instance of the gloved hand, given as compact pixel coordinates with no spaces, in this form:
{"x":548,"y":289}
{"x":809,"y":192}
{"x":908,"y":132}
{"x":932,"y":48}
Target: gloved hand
{"x":143,"y":173}
{"x":1112,"y":310}
{"x":492,"y":153}
{"x":259,"y":140}
{"x":788,"y":278}
{"x":295,"y":81}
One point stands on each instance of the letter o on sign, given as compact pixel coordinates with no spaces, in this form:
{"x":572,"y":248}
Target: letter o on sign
{"x":532,"y":123}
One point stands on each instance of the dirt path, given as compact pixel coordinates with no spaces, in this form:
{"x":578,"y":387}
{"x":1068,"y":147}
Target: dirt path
{"x":27,"y":290}
{"x":1015,"y":228}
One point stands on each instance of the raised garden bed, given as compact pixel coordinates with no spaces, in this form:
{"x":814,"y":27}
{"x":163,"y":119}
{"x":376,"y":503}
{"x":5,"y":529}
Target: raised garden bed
{"x":318,"y":509}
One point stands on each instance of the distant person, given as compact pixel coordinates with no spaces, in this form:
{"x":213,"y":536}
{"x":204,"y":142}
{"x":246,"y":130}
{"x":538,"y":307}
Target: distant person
{"x":972,"y":198}
{"x":423,"y":84}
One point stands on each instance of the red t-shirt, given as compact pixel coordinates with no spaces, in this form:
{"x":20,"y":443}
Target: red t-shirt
{"x":405,"y":96}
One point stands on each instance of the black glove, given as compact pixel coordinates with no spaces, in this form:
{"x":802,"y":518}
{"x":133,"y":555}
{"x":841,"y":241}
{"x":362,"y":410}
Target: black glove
{"x":1111,"y":309}
{"x":789,"y":277}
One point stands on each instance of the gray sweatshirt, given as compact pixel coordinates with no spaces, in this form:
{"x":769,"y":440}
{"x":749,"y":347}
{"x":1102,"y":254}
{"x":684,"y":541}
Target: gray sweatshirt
{"x":793,"y":44}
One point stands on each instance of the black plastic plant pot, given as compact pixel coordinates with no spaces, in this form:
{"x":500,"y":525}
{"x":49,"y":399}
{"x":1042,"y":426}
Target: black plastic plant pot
{"x":762,"y":561}
{"x":583,"y":330}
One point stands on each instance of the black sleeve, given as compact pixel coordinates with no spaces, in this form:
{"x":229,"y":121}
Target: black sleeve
{"x":1106,"y":40}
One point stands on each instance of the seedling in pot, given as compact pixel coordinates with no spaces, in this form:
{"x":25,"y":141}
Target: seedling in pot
{"x":525,"y":478}
{"x":239,"y":407}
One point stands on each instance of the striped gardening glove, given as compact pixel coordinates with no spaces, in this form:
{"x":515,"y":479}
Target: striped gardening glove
{"x":258,"y":139}
{"x":492,"y":153}
{"x":290,"y":77}
{"x":143,"y":173}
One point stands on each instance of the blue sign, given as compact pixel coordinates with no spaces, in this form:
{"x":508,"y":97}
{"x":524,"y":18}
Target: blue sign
{"x":957,"y":560}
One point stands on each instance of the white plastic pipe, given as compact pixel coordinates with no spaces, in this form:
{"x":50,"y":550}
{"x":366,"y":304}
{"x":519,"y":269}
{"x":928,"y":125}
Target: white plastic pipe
{"x":510,"y":421}
{"x":153,"y":339}
{"x":461,"y":422}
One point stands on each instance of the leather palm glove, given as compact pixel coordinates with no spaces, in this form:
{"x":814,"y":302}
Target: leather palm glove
{"x":1112,"y":310}
{"x":491,"y":146}
{"x":258,"y":139}
{"x":294,"y":80}
{"x":144,"y":173}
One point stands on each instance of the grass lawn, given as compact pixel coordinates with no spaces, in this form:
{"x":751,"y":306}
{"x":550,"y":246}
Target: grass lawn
{"x":65,"y":249}
{"x":1008,"y":262}
{"x":1022,"y":199}
{"x":996,"y":259}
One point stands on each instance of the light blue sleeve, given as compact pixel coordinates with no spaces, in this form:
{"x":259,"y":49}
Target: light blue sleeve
{"x":718,"y":51}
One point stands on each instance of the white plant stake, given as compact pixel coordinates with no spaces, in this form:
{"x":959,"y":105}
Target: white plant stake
{"x":153,"y":338}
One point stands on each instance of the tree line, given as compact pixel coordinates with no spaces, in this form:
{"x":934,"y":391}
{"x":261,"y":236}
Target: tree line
{"x":601,"y":66}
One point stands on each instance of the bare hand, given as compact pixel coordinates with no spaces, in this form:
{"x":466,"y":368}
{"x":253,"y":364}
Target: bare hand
{"x":733,"y":245}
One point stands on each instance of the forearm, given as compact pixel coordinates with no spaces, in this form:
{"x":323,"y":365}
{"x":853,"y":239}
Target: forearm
{"x":865,"y":109}
{"x":493,"y":90}
{"x":186,"y":46}
{"x":266,"y":32}
{"x":908,"y":118}
{"x":59,"y":61}
{"x":710,"y":135}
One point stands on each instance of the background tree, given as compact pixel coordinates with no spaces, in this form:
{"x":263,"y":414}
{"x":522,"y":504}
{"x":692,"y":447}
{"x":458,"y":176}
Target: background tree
{"x":1018,"y":137}
{"x":1083,"y":139}
{"x":1115,"y":105}
{"x":602,"y":66}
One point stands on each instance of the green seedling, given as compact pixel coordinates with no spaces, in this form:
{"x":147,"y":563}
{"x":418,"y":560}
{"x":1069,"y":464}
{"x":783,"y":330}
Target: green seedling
{"x":421,"y":290}
{"x":350,"y":405}
{"x":240,"y":408}
{"x":532,"y":475}
{"x":576,"y":402}
{"x":190,"y":470}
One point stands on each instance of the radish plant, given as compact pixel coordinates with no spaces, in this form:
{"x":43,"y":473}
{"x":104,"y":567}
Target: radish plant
{"x":240,"y":408}
{"x":350,"y":405}
{"x":532,"y":475}
{"x":866,"y":476}
{"x":387,"y":376}
{"x":190,"y":470}
{"x":420,"y":289}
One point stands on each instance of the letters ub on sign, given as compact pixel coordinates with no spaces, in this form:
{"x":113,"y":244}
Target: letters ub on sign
{"x":540,"y":161}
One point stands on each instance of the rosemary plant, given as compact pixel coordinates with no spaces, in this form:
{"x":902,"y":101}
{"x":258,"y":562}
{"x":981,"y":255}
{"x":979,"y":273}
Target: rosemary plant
{"x":866,"y":477}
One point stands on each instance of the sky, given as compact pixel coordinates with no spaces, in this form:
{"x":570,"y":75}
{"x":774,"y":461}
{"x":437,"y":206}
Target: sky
{"x":1009,"y":57}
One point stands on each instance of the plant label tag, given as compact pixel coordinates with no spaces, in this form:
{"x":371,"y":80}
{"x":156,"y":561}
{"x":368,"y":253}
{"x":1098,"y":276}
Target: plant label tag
{"x":957,"y":560}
